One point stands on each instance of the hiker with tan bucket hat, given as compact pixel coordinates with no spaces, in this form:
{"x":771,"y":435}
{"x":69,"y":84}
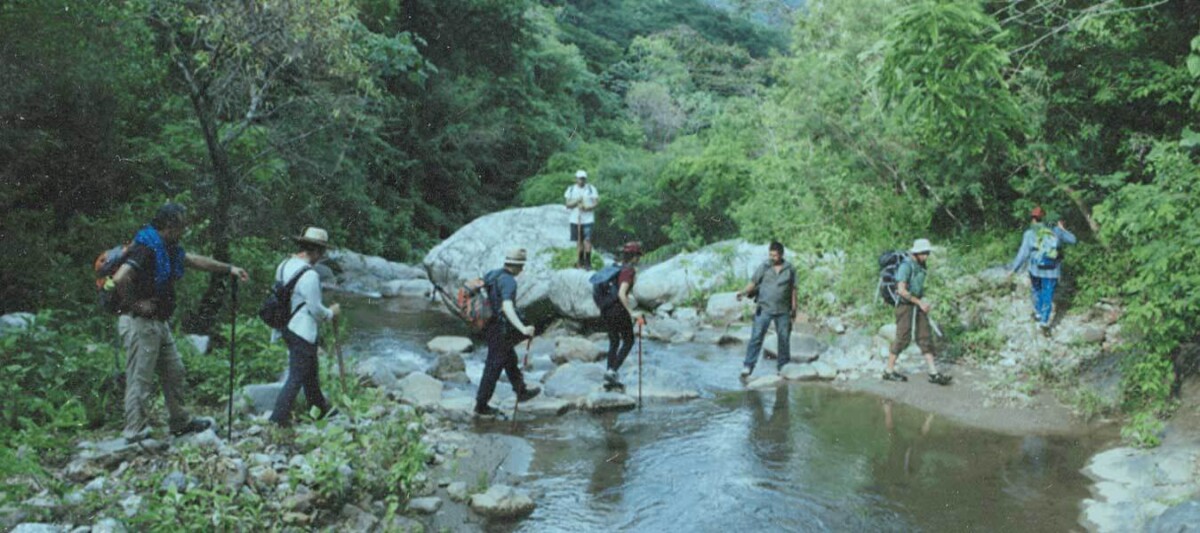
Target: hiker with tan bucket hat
{"x":503,"y":331}
{"x":302,"y":292}
{"x":912,"y":314}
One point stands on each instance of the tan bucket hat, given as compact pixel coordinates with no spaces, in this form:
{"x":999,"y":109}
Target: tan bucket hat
{"x":314,"y":235}
{"x":921,"y":246}
{"x":515,"y":256}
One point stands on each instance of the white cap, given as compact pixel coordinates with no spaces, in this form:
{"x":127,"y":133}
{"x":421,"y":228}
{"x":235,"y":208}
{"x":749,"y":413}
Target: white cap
{"x":921,"y":246}
{"x":580,"y":174}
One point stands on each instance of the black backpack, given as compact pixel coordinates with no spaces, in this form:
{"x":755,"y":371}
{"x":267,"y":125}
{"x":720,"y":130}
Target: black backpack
{"x":889,"y":262}
{"x":604,"y":285}
{"x":276,"y":309}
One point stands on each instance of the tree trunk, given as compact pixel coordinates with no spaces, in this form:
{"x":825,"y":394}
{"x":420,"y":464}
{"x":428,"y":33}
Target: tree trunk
{"x":202,"y":319}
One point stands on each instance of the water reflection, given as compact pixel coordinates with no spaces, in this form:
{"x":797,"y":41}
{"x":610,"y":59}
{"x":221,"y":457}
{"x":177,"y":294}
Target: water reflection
{"x":770,"y":439}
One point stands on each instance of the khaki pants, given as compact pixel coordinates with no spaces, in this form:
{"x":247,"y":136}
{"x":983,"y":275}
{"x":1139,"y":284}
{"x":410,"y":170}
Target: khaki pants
{"x":149,"y":350}
{"x":904,"y":329}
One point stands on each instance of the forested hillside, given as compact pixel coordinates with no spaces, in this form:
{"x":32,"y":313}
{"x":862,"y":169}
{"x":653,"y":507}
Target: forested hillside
{"x":851,"y":125}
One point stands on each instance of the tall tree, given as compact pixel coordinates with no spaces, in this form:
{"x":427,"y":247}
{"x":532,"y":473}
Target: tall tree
{"x":243,"y":64}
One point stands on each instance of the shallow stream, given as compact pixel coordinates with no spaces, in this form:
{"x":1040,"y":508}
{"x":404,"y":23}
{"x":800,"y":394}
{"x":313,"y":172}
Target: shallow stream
{"x":802,"y":457}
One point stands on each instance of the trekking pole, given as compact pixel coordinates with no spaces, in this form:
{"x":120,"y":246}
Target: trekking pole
{"x":232,"y":356}
{"x":517,"y":404}
{"x":639,"y":365}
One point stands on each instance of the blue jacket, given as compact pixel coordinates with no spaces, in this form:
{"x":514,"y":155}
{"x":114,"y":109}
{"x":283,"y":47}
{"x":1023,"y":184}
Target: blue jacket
{"x":1029,"y":244}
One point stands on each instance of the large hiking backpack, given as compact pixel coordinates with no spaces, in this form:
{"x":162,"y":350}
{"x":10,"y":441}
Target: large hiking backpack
{"x":889,"y":262}
{"x":276,"y":310}
{"x":106,"y":266}
{"x":1045,"y":251}
{"x":605,"y":286}
{"x":473,"y":302}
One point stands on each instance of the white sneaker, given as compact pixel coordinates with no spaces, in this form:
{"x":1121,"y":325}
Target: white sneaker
{"x":746,"y":372}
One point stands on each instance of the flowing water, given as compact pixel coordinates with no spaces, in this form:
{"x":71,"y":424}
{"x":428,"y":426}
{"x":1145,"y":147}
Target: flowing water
{"x":802,"y":457}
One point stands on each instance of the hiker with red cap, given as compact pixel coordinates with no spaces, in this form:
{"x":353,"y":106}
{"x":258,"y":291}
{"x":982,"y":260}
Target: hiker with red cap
{"x":1041,"y":253}
{"x":610,"y":290}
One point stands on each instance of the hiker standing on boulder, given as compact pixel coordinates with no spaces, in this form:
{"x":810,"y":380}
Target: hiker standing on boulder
{"x":503,"y":332}
{"x":774,"y":284}
{"x":145,"y":284}
{"x":611,"y":293}
{"x":581,"y":199}
{"x":1041,"y":253}
{"x":912,"y":313}
{"x":307,"y":311}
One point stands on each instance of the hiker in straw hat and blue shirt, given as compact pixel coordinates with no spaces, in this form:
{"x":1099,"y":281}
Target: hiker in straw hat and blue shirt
{"x":912,"y":313}
{"x":503,"y":332}
{"x":301,"y":332}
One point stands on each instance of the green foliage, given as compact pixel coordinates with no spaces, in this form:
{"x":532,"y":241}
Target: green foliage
{"x":564,"y":258}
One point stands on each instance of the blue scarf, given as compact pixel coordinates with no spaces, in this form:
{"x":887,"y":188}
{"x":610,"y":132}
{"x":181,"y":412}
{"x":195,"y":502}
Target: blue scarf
{"x":168,"y":262}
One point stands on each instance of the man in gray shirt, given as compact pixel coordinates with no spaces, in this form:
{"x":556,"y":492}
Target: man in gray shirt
{"x":775,"y":285}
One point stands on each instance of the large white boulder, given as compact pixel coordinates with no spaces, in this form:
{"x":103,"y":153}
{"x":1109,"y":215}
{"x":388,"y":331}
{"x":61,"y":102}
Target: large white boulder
{"x":481,"y":245}
{"x":676,"y":279}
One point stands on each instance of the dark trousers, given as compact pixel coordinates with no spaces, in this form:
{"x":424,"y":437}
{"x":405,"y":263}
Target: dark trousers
{"x":302,"y":372}
{"x":620,"y":334}
{"x":500,"y":357}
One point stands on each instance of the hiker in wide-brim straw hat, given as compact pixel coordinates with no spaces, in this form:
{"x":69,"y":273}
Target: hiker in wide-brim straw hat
{"x":313,"y":236}
{"x":515,"y":256}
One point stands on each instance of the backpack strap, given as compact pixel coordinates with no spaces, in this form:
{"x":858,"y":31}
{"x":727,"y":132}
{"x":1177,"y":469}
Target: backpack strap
{"x":290,"y":286}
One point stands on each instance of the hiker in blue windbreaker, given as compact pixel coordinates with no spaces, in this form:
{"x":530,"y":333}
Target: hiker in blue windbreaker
{"x":1041,"y":253}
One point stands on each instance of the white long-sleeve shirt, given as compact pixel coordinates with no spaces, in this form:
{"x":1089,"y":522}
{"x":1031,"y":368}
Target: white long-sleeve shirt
{"x":308,"y":293}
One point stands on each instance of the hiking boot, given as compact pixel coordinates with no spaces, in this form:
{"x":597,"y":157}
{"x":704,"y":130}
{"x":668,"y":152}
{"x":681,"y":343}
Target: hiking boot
{"x":487,"y":410}
{"x":940,"y":379}
{"x":611,"y":383}
{"x":529,"y":393}
{"x":196,"y":425}
{"x":894,"y":376}
{"x":1044,"y":329}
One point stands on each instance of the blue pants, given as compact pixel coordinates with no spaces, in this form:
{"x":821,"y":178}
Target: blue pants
{"x":302,"y":374}
{"x":501,"y":357}
{"x":783,"y":329}
{"x":1043,"y":297}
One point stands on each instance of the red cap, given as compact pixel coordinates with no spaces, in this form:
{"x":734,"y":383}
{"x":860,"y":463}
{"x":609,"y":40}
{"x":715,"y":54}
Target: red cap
{"x":1038,"y":213}
{"x":632,"y":247}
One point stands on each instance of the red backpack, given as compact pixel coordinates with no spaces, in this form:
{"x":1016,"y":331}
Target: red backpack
{"x":472,"y":303}
{"x":106,"y":266}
